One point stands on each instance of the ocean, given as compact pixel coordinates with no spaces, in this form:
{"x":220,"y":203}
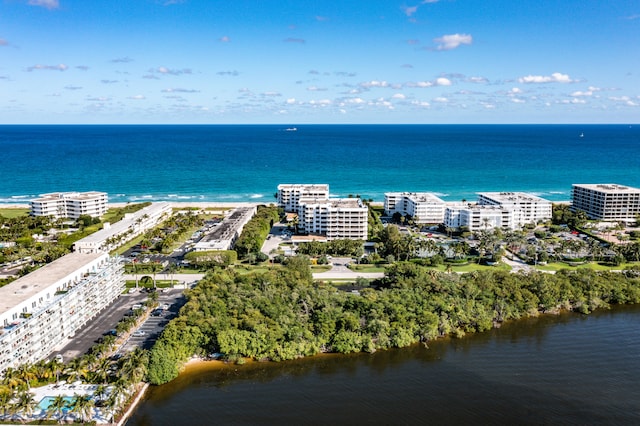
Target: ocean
{"x":228,"y":163}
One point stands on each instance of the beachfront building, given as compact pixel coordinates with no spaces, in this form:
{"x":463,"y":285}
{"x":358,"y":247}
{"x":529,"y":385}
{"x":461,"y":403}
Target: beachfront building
{"x":606,"y":202}
{"x":132,"y":225}
{"x":40,"y":311}
{"x":226,"y":233}
{"x":336,"y":218}
{"x":527,"y":208}
{"x":423,"y":207}
{"x":475,"y":217}
{"x":289,"y":195}
{"x":70,"y":204}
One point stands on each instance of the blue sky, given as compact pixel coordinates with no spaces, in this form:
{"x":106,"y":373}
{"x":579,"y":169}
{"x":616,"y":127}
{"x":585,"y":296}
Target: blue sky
{"x":296,"y":62}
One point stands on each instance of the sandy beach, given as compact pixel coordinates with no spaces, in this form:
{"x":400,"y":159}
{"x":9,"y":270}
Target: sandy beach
{"x":175,"y":205}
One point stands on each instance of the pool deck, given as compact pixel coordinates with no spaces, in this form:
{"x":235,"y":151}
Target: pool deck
{"x":70,"y":390}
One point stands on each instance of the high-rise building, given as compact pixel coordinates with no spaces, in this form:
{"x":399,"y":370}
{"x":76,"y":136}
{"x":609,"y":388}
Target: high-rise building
{"x":607,"y":202}
{"x":40,"y":311}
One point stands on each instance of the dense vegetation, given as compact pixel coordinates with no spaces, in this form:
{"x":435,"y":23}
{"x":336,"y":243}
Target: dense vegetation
{"x":344,"y":247}
{"x":256,"y":230}
{"x":281,"y":314}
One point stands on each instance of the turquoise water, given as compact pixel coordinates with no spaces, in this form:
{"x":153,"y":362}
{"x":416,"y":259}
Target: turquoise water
{"x":46,"y":402}
{"x":246,"y":163}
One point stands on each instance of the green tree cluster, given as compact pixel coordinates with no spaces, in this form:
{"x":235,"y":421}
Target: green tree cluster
{"x":256,"y":230}
{"x":342,"y":247}
{"x":281,"y":314}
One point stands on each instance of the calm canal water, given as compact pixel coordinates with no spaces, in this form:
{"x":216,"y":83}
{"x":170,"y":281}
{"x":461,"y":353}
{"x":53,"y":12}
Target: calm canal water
{"x":567,"y":369}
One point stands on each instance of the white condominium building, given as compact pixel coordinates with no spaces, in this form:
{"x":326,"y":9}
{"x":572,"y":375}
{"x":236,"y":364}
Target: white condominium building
{"x":423,"y":207}
{"x":70,"y":204}
{"x":607,"y":202}
{"x":41,"y":310}
{"x":290,"y":194}
{"x":479,"y":217}
{"x":336,"y":218}
{"x":527,"y":208}
{"x":132,"y":225}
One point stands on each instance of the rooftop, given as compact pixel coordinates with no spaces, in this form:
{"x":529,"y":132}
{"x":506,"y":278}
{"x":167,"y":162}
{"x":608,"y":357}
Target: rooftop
{"x":607,"y":187}
{"x":511,"y":196}
{"x":123,"y":225}
{"x":70,"y":196}
{"x":31,"y":284}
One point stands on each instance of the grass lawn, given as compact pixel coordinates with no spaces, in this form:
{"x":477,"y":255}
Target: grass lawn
{"x":366,"y":268}
{"x":470,"y":267}
{"x":11,"y":213}
{"x":159,"y":284}
{"x":557,"y":266}
{"x":320,"y":268}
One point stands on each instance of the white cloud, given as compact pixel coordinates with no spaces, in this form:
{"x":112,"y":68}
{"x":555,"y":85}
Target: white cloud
{"x":421,"y":104}
{"x":123,"y":60}
{"x":59,"y":67}
{"x":517,"y":101}
{"x":443,"y":81}
{"x":316,"y":89}
{"x":515,"y":90}
{"x":441,"y":99}
{"x":179,"y":90}
{"x":451,"y":41}
{"x":49,"y":4}
{"x":399,"y":96}
{"x":625,"y":100}
{"x":556,"y":77}
{"x":409,"y":10}
{"x":224,"y":39}
{"x":374,"y":83}
{"x":137,"y":97}
{"x":478,"y":80}
{"x":165,"y":71}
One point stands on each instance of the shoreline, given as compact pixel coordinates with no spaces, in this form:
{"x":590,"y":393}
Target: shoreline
{"x":200,"y":204}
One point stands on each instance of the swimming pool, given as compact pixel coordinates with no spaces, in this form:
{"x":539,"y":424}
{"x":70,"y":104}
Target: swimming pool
{"x":48,"y":400}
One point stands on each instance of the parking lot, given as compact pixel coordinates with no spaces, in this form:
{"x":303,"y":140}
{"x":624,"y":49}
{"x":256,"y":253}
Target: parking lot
{"x":169,"y":303}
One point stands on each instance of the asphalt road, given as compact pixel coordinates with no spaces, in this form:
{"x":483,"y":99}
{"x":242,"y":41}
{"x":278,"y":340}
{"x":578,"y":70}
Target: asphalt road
{"x":152,"y":327}
{"x":106,"y":320}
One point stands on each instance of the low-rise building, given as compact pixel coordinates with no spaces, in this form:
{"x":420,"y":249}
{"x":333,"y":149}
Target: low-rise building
{"x":606,"y":202}
{"x":132,"y":225}
{"x":41,"y":310}
{"x":423,"y":207}
{"x":476,"y":217}
{"x":70,"y":204}
{"x":226,"y":233}
{"x":527,"y":208}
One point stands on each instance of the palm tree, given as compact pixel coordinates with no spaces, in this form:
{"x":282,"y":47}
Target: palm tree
{"x":101,"y":371}
{"x":26,"y":374}
{"x":82,"y":405}
{"x":58,"y":406}
{"x":12,"y":379}
{"x":134,"y":366}
{"x":24,"y":405}
{"x":6,"y":396}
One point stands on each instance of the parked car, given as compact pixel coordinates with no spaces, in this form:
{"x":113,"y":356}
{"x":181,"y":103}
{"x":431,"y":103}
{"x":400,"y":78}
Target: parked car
{"x":139,"y":333}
